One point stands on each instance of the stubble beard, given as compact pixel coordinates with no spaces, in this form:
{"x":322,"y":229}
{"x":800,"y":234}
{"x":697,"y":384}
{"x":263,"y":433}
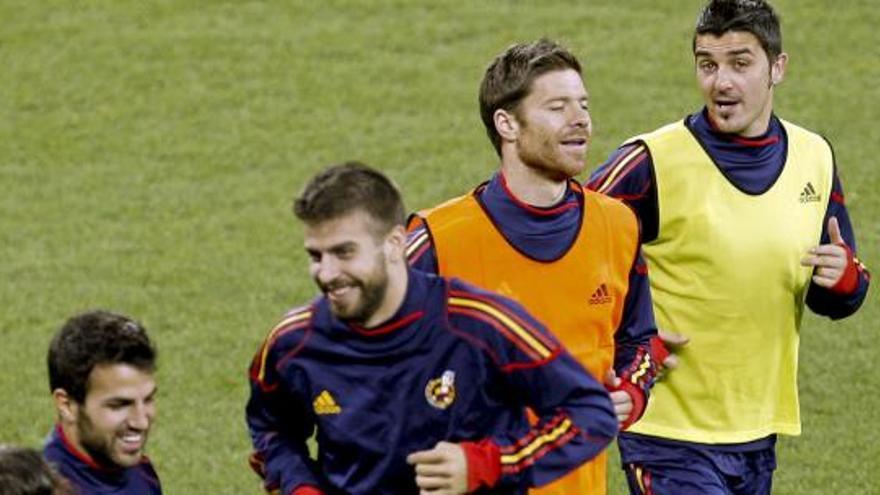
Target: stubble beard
{"x":372,"y":291}
{"x":549,"y":161}
{"x":98,"y":448}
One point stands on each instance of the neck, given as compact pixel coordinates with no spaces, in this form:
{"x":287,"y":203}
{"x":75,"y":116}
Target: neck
{"x":531,"y":186}
{"x":758,"y":128}
{"x":398,"y":281}
{"x":70,"y":438}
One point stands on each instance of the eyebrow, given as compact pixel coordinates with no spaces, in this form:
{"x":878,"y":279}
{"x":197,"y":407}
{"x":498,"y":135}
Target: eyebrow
{"x":332,"y":249}
{"x":128,"y":400}
{"x":566,"y":98}
{"x":740,"y":51}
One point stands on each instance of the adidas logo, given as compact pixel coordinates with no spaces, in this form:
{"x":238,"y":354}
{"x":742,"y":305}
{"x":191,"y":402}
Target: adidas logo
{"x":325,"y":404}
{"x":809,"y":194}
{"x":601,"y":295}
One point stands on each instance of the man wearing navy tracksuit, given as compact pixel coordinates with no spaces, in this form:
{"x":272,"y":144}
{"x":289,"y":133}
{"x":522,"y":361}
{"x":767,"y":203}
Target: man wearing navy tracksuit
{"x":414,"y":382}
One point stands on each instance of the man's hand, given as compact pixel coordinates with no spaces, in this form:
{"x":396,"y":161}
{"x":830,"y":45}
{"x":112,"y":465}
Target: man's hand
{"x":441,"y":470}
{"x":829,"y":261}
{"x":667,"y":345}
{"x":620,"y":399}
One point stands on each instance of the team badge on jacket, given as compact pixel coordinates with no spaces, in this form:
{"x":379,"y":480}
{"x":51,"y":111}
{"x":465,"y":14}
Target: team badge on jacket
{"x":440,"y":392}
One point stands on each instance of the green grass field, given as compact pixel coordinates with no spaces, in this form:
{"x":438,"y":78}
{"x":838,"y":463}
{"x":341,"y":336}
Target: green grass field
{"x":149,"y":152}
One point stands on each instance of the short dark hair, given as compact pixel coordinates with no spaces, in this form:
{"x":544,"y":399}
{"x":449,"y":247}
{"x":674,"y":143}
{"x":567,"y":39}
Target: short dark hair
{"x":752,"y":16}
{"x":24,"y":472}
{"x":508,"y":79}
{"x":347,"y":187}
{"x":94,"y":338}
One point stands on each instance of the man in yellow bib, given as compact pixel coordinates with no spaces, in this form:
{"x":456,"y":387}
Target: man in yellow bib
{"x":743,"y":222}
{"x":532,"y":233}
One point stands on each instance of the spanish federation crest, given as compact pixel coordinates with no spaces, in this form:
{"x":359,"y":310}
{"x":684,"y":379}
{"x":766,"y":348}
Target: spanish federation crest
{"x":440,"y":392}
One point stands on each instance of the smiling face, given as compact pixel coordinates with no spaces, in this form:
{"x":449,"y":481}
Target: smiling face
{"x":736,"y":80}
{"x":550,"y":129}
{"x":114,"y":421}
{"x":350,"y":264}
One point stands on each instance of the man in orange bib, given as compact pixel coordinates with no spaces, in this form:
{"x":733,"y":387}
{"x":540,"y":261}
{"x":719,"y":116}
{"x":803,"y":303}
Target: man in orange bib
{"x":534,"y":234}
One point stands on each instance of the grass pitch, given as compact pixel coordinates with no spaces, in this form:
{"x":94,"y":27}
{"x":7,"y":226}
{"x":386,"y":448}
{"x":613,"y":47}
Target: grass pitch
{"x":149,"y":152}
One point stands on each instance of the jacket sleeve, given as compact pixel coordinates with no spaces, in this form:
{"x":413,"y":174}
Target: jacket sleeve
{"x":848,"y":295}
{"x":634,"y":363}
{"x":279,"y":423}
{"x":628,"y":176}
{"x":575,"y":418}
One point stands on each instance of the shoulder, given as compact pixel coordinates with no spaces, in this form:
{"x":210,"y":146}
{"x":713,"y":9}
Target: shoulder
{"x":289,"y":330}
{"x":58,"y":455}
{"x":672,"y":130}
{"x":452,"y":209}
{"x":63,"y":462}
{"x":52,"y":449}
{"x":146,"y":474}
{"x":418,"y":243}
{"x":809,"y":142}
{"x":792,"y":128}
{"x":286,"y":338}
{"x":627,"y":168}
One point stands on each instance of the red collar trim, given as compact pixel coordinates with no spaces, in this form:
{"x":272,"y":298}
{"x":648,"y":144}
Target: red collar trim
{"x":745,"y":141}
{"x":555,"y":210}
{"x":388,"y":327}
{"x":756,"y":142}
{"x":82,"y":456}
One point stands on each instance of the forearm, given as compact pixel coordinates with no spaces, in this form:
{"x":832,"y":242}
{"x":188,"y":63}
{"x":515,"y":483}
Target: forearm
{"x":281,"y":456}
{"x":839,"y":304}
{"x":848,"y":294}
{"x":289,"y":470}
{"x":634,"y":363}
{"x":576,"y":422}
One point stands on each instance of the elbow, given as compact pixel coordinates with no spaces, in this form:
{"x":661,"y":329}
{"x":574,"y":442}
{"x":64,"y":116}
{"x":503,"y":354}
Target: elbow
{"x":603,"y":425}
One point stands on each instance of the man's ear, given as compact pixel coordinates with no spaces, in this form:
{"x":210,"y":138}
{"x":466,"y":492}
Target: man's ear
{"x":395,"y":244}
{"x":777,"y":69}
{"x":506,"y":125}
{"x":67,"y":408}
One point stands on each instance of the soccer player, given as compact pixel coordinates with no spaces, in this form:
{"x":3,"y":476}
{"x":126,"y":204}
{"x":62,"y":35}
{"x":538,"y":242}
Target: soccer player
{"x":743,"y":221}
{"x":24,"y":472}
{"x":101,"y":369}
{"x":532,"y":233}
{"x":416,"y":383}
